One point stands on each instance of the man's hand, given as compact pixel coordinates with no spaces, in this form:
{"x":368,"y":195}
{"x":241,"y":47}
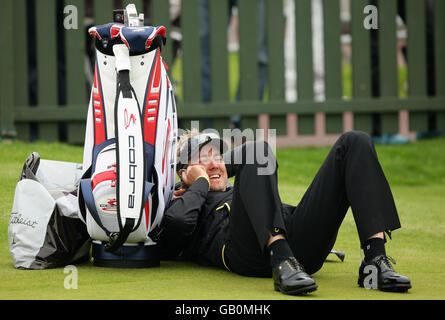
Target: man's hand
{"x":178,"y":193}
{"x":192,"y":173}
{"x":188,"y":177}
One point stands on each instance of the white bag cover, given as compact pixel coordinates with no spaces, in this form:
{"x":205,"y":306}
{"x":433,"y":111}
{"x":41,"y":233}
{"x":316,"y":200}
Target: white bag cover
{"x":44,"y":230}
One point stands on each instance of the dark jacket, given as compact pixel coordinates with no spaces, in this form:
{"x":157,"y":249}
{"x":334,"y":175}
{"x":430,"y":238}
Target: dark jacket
{"x":194,"y":226}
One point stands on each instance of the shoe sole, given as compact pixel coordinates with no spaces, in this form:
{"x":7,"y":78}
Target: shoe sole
{"x":298,"y":291}
{"x":398,"y":287}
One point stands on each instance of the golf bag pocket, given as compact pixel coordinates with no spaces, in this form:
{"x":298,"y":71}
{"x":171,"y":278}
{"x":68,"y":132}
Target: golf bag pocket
{"x":99,"y":195}
{"x":44,"y":230}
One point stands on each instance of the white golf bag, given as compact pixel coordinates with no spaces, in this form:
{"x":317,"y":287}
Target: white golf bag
{"x":130,"y":143}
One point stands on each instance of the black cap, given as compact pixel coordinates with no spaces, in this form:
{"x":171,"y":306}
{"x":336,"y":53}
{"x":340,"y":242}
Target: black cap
{"x":194,"y":145}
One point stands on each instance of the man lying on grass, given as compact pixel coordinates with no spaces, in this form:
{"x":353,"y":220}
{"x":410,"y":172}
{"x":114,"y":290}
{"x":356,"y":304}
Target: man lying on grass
{"x":248,"y":230}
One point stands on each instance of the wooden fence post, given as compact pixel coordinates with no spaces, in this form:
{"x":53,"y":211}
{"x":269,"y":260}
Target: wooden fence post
{"x":21,"y":70}
{"x":160,"y":16}
{"x":46,"y":51}
{"x":305,"y":68}
{"x":416,"y":60}
{"x":332,"y":62}
{"x":191,"y":44}
{"x":7,"y":129}
{"x":76,"y":93}
{"x":360,"y":63}
{"x":439,"y":53}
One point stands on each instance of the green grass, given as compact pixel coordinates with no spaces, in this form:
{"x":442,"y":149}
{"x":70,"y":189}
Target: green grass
{"x":415,"y":171}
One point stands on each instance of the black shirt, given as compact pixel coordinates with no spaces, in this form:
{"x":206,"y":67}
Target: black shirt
{"x":195,"y":225}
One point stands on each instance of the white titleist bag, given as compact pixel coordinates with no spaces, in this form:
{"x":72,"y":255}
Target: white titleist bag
{"x":45,"y":230}
{"x":130,"y":141}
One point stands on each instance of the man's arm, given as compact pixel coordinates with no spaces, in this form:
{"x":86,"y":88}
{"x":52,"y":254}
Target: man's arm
{"x":181,"y":217}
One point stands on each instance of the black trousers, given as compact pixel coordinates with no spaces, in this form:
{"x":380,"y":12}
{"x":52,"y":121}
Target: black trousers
{"x":351,"y":176}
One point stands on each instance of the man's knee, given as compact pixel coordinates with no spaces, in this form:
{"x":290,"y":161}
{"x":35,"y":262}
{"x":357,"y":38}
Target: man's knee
{"x":357,"y":138}
{"x":265,"y":158}
{"x":356,"y":135}
{"x":260,"y":154}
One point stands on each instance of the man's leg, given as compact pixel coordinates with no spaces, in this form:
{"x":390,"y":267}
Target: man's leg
{"x":256,"y":241}
{"x":351,"y":176}
{"x":255,"y":209}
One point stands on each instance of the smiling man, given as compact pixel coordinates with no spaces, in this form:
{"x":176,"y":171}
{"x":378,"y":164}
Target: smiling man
{"x":248,"y":230}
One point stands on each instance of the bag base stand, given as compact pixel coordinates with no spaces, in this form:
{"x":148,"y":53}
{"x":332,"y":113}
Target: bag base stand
{"x":127,"y":256}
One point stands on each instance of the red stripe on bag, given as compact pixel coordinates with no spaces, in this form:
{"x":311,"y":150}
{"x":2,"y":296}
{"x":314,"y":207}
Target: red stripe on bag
{"x":152,"y":101}
{"x":103,"y":176}
{"x":160,"y":31}
{"x":166,"y":149}
{"x":165,"y":64}
{"x":98,"y":110}
{"x":166,"y":146}
{"x":147,"y":213}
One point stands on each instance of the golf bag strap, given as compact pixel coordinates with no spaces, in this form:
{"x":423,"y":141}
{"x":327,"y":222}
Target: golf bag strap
{"x":125,"y":129}
{"x":117,"y":239}
{"x":124,"y":85}
{"x":81,"y":200}
{"x":86,"y":194}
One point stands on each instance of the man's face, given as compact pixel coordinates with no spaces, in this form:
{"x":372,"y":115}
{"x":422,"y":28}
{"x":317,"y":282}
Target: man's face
{"x":212,"y":161}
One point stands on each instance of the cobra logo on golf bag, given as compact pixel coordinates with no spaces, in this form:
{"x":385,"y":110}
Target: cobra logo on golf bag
{"x":133,"y":125}
{"x":132,"y":169}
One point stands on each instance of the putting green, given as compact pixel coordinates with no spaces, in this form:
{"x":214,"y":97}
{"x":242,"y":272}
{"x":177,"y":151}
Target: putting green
{"x":416,"y":173}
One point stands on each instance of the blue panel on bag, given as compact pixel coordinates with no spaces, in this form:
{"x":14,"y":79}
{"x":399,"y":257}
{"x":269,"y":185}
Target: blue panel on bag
{"x":137,"y":38}
{"x":102,"y":32}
